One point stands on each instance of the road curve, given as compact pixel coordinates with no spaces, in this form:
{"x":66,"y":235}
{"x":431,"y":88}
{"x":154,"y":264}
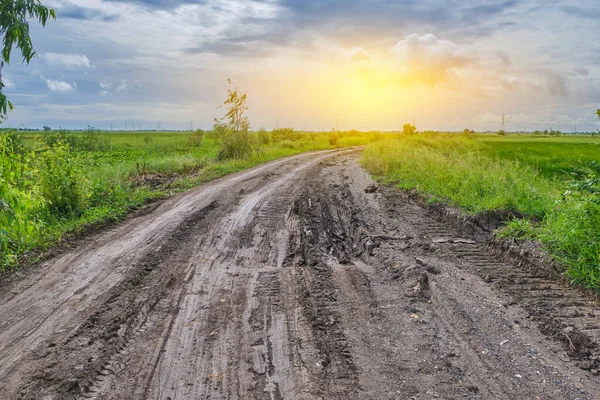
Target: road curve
{"x":294,"y":280}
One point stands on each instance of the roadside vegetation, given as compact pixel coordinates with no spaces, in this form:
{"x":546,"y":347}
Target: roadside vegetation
{"x":550,"y":185}
{"x":55,"y":184}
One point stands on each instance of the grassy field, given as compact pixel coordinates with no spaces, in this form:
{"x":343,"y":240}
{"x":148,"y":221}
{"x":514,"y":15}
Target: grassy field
{"x":56,"y":184}
{"x":551,"y":183}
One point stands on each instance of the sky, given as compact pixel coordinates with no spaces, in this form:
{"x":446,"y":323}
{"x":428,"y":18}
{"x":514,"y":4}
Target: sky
{"x":367,"y":65}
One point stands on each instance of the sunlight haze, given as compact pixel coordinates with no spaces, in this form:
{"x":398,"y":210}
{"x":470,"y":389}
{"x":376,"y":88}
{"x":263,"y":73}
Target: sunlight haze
{"x":368,"y":64}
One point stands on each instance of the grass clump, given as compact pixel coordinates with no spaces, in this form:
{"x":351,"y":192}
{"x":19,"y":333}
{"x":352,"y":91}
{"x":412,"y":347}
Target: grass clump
{"x":444,"y":169}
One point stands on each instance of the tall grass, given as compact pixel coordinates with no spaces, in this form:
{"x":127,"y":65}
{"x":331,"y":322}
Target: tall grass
{"x":561,"y":213}
{"x":453,"y":170}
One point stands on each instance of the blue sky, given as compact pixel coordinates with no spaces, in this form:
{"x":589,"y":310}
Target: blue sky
{"x":371,"y":64}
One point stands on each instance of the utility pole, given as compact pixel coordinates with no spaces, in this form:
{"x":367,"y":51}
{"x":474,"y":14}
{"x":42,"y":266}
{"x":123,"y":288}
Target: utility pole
{"x":111,"y":127}
{"x":337,"y":124}
{"x":125,"y":125}
{"x":503,"y":126}
{"x":159,"y":125}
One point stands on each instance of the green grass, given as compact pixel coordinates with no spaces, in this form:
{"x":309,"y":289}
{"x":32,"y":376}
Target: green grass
{"x":50,"y":192}
{"x":553,"y":156}
{"x":552,"y":183}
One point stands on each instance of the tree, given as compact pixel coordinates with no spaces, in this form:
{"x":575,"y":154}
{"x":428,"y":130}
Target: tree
{"x":598,"y":112}
{"x":409,"y":129}
{"x":47,"y":128}
{"x":232,"y":129}
{"x":14,"y":26}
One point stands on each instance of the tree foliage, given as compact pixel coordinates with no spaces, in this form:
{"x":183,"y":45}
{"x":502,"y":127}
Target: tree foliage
{"x":14,"y":26}
{"x":232,"y":128}
{"x":409,"y":129}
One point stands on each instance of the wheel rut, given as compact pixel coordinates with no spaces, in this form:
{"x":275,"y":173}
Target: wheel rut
{"x":296,"y":280}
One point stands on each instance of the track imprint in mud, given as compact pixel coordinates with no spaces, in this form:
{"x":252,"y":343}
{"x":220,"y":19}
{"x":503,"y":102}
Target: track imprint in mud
{"x":298,"y":279}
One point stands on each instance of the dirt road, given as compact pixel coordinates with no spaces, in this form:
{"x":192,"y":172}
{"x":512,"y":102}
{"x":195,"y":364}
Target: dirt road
{"x":297,"y":279}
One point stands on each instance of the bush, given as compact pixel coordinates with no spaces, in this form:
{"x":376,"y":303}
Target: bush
{"x":263,"y":136}
{"x":287,"y":144}
{"x":232,"y":129}
{"x":333,"y":139}
{"x":52,"y":138}
{"x":62,"y":182}
{"x":374,"y":136}
{"x":196,"y":139}
{"x":92,"y":140}
{"x":19,"y":198}
{"x":280,"y":134}
{"x":409,"y":129}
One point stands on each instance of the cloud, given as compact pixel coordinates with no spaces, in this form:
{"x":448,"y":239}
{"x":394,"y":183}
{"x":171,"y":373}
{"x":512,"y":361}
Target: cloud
{"x":579,"y":12}
{"x":69,"y":61}
{"x":580,"y":71}
{"x":358,"y":54}
{"x":60,"y":86}
{"x":556,"y":84}
{"x":488,"y":10}
{"x":8,"y":83}
{"x":428,"y":58}
{"x":107,"y":88}
{"x":165,"y":4}
{"x":83,"y":13}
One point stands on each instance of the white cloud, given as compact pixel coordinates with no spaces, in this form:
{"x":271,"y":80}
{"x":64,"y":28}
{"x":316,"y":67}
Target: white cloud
{"x":60,"y":86}
{"x":429,"y":59}
{"x":428,"y":51}
{"x":123,"y":87}
{"x":8,"y":83}
{"x":106,"y":88}
{"x":70,"y":61}
{"x":358,"y":54}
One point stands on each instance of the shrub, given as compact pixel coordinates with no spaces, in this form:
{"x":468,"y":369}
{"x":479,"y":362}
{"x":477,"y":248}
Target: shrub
{"x":232,"y":129}
{"x":92,"y":140}
{"x":263,"y":136}
{"x":196,"y":139}
{"x":52,"y":138}
{"x":280,"y":134}
{"x":409,"y":129}
{"x":374,"y":136}
{"x":333,"y":139}
{"x":19,"y":198}
{"x":62,"y":182}
{"x":287,"y":144}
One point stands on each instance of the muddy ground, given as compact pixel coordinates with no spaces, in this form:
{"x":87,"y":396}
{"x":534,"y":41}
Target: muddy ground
{"x":297,"y":279}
